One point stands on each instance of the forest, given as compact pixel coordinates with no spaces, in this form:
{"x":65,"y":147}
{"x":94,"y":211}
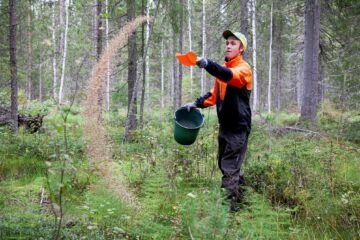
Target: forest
{"x":88,"y":94}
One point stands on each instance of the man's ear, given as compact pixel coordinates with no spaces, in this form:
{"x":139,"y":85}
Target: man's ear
{"x":241,"y":48}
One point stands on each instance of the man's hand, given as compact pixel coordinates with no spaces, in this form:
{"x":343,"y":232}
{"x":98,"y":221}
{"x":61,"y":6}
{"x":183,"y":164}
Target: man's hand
{"x":189,"y":106}
{"x":201,"y":62}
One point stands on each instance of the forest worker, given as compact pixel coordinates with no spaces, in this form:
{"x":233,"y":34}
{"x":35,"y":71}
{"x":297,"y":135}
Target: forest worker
{"x":231,"y":94}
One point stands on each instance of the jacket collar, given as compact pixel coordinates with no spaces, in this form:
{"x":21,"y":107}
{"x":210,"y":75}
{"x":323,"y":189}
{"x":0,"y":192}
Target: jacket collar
{"x":234,"y":62}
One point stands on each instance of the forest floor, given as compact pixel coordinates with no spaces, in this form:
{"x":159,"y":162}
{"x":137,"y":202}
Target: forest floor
{"x":300,"y":185}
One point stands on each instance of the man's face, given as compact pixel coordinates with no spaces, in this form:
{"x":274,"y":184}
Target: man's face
{"x":233,"y":48}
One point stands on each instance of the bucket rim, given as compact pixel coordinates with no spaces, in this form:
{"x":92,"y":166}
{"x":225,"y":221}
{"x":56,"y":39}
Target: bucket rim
{"x":190,"y":128}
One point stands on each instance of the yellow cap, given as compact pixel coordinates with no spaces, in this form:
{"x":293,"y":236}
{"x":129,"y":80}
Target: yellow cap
{"x":238,"y":35}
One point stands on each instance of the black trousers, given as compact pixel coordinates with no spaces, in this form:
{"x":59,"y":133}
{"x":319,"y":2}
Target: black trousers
{"x":232,"y":149}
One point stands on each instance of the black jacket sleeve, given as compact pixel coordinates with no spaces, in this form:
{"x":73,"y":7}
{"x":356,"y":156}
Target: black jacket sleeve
{"x":218,"y":71}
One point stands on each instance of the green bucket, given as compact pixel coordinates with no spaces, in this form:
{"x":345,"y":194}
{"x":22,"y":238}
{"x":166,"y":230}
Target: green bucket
{"x":187,"y":125}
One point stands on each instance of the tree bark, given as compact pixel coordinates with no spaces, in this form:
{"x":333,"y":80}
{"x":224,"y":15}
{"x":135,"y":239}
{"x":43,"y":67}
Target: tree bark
{"x":29,"y":63}
{"x":13,"y":66}
{"x":62,"y":79}
{"x":279,"y":53}
{"x":181,"y":43}
{"x":190,"y":44}
{"x":162,"y":73}
{"x":147,"y":60}
{"x":270,"y":58}
{"x":99,"y":29}
{"x":54,"y":63}
{"x":311,"y":62}
{"x":255,"y":95}
{"x":107,"y":103}
{"x":175,"y":91}
{"x":244,"y":24}
{"x":40,"y":78}
{"x":61,"y":32}
{"x":132,"y":68}
{"x":143,"y":86}
{"x":203,"y":46}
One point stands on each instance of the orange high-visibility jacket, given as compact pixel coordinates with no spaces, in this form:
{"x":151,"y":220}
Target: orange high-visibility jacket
{"x":231,"y":93}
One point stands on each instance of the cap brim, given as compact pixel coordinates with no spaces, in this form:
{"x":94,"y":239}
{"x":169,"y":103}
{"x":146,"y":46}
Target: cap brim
{"x":227,"y":34}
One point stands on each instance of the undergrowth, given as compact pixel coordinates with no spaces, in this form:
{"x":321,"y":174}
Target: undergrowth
{"x":299,"y":185}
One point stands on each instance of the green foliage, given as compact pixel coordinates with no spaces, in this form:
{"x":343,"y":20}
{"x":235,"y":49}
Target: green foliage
{"x":340,"y":124}
{"x":39,"y":108}
{"x":281,"y":118}
{"x":259,"y":220}
{"x":205,"y":215}
{"x":304,"y":173}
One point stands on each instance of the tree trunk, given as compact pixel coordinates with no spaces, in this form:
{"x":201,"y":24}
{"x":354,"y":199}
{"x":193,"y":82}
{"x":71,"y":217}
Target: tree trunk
{"x":54,"y":63}
{"x":98,"y":41}
{"x":299,"y":84}
{"x":147,"y":65}
{"x":40,"y":78}
{"x":29,"y":63}
{"x":172,"y":74}
{"x":255,"y":95}
{"x":244,"y":25}
{"x":203,"y":46}
{"x":223,"y":12}
{"x":99,"y":30}
{"x":311,"y":61}
{"x":279,"y":53}
{"x":94,"y":23}
{"x":175,"y":90}
{"x":190,"y":45}
{"x":62,"y":79}
{"x":181,"y":43}
{"x":61,"y":32}
{"x":142,"y":101}
{"x":270,"y":60}
{"x":132,"y":68}
{"x":162,"y":73}
{"x":13,"y":66}
{"x":107,"y":103}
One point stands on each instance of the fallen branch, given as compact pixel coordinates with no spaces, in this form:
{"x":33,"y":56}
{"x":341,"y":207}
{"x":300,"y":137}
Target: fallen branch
{"x":280,"y":130}
{"x":31,"y":123}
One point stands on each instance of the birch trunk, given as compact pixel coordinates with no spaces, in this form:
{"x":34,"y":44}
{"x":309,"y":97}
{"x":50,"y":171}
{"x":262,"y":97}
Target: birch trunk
{"x":171,"y":77}
{"x":65,"y":52}
{"x":190,"y":45}
{"x":147,"y":65}
{"x":270,"y":60}
{"x":61,"y":32}
{"x":181,"y":43}
{"x":174,"y":78}
{"x":162,"y":73}
{"x":255,"y":91}
{"x":203,"y":47}
{"x":40,"y":78}
{"x":54,"y":62}
{"x":94,"y":23}
{"x":13,"y":66}
{"x":29,"y":63}
{"x":223,"y":13}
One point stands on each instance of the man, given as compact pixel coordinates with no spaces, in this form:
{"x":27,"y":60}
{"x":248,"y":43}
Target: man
{"x":231,"y":94}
